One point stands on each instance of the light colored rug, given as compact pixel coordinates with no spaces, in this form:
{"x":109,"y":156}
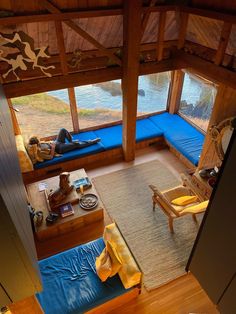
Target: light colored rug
{"x":161,"y":255}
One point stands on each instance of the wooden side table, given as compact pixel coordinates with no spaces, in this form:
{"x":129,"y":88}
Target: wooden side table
{"x":79,"y":219}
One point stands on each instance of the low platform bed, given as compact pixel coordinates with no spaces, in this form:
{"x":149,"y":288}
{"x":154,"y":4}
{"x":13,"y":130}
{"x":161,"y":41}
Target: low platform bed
{"x":71,"y":284}
{"x":163,"y":128}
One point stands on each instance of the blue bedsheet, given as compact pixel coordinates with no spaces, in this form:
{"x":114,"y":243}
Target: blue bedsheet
{"x":70,"y":282}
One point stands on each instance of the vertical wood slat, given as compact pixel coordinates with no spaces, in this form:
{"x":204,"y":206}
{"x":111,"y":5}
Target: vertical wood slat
{"x":73,"y":109}
{"x":64,"y":68}
{"x":15,"y":123}
{"x":224,"y":38}
{"x":177,"y":81}
{"x":132,"y":21}
{"x":161,"y":35}
{"x":182,"y":29}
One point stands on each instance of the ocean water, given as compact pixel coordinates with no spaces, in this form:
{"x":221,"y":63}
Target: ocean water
{"x":153,"y":93}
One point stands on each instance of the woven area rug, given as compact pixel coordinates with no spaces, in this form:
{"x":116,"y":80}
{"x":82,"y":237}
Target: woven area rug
{"x":161,"y":255}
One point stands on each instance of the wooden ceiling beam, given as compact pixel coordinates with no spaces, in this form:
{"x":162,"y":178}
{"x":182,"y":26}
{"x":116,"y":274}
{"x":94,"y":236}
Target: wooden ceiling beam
{"x":207,"y":69}
{"x":51,"y":8}
{"x":161,"y":35}
{"x":45,"y":84}
{"x":61,"y":47}
{"x":21,"y":19}
{"x":145,"y":17}
{"x":183,"y":29}
{"x":231,"y":18}
{"x":224,"y":38}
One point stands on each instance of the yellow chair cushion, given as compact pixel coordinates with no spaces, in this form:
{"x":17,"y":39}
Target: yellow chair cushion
{"x":24,"y":160}
{"x":184,"y":200}
{"x":195,"y":209}
{"x":103,"y":265}
{"x":129,"y":272}
{"x":115,"y":259}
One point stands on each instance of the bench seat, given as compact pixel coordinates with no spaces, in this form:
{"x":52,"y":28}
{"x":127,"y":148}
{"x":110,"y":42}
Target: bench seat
{"x":181,"y":135}
{"x":70,"y":282}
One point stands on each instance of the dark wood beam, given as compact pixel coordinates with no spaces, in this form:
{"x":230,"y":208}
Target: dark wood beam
{"x":207,"y":69}
{"x":161,"y":35}
{"x":182,"y":29}
{"x":231,"y":18}
{"x":131,"y":22}
{"x":21,"y":19}
{"x":29,"y":87}
{"x":145,"y":17}
{"x":157,"y":67}
{"x":61,"y":47}
{"x":224,"y":38}
{"x":73,"y":109}
{"x":51,"y":8}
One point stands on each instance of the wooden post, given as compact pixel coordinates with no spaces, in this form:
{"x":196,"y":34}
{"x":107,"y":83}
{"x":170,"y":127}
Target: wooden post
{"x":177,"y":80}
{"x":15,"y":123}
{"x":132,"y":21}
{"x":224,"y":38}
{"x":182,"y":29}
{"x":64,"y":68}
{"x":73,"y":109}
{"x":161,"y":35}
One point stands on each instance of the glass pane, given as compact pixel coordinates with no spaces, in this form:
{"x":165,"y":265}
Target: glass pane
{"x":197,"y":99}
{"x":42,"y":115}
{"x":153,"y":92}
{"x":97,"y":103}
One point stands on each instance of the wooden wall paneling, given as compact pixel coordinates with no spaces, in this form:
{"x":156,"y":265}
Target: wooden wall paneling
{"x":14,"y":197}
{"x":150,"y":34}
{"x":15,"y":123}
{"x":224,"y":107}
{"x":132,"y":21}
{"x":224,"y":38}
{"x":231,"y":48}
{"x":161,"y":35}
{"x":51,"y":8}
{"x":177,"y":80}
{"x":145,"y":18}
{"x":183,"y":20}
{"x":171,"y":29}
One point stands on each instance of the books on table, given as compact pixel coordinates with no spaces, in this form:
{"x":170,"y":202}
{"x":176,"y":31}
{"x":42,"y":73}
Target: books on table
{"x":66,"y":210}
{"x":84,"y":182}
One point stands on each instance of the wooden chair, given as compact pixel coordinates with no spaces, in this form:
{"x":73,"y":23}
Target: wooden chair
{"x":163,"y":199}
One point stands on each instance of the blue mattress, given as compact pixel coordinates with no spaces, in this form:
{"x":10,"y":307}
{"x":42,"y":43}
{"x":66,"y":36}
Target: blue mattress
{"x":77,"y":153}
{"x":181,"y":135}
{"x":70,"y":282}
{"x":111,"y":137}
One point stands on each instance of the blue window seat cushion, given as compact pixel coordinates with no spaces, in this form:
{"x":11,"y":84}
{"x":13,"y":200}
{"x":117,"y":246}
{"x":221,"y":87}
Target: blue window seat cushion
{"x":71,"y":284}
{"x":181,"y":135}
{"x":146,"y":129}
{"x":77,"y":153}
{"x":111,"y":137}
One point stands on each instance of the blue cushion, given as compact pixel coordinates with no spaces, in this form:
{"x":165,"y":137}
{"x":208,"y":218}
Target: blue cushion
{"x":70,"y":281}
{"x":146,"y":129}
{"x":181,"y":135}
{"x":80,"y":152}
{"x":111,"y":137}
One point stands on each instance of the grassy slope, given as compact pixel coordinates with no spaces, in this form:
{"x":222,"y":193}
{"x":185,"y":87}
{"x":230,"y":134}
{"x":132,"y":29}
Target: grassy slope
{"x":50,"y":104}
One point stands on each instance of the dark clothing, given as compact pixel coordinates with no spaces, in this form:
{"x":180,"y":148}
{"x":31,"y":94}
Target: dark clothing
{"x":64,"y":142}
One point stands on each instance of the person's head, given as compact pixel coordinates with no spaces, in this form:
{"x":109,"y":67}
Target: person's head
{"x":33,"y":140}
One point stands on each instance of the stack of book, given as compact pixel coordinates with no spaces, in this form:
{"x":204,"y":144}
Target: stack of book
{"x":66,"y":210}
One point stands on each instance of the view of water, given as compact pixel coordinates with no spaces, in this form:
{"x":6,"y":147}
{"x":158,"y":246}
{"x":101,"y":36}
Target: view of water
{"x":153,"y":93}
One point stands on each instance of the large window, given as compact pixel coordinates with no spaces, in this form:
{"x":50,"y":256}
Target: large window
{"x":197,"y":100}
{"x":42,"y":115}
{"x":97,"y":103}
{"x":153,"y":92}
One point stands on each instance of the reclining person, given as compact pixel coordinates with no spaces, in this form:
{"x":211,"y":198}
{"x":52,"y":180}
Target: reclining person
{"x":39,"y":151}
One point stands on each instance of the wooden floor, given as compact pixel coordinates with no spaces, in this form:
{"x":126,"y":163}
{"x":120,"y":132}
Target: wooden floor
{"x":183,"y":295}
